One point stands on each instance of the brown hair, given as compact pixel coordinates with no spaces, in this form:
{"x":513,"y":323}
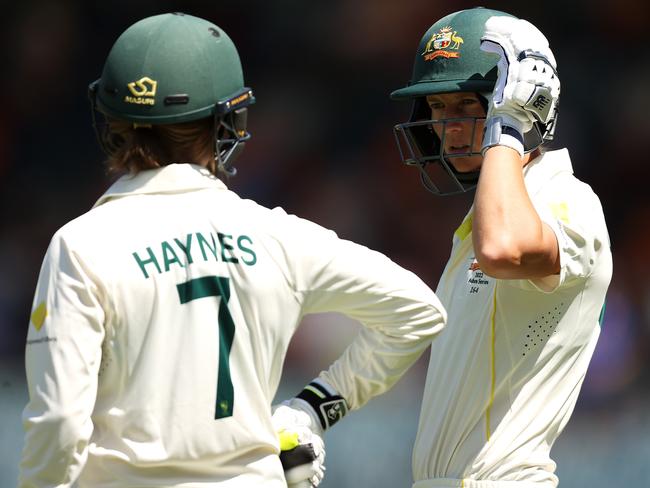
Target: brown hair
{"x":143,"y":147}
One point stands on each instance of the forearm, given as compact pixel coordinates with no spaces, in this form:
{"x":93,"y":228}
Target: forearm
{"x":400,"y":314}
{"x":371,"y":365}
{"x":510,"y":239}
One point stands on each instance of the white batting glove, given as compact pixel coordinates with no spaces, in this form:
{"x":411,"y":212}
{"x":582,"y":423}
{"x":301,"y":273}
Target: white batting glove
{"x":302,"y":450}
{"x":527,"y":89}
{"x":300,"y":423}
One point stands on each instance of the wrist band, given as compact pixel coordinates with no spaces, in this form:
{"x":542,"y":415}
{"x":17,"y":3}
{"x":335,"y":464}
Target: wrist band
{"x":498,"y":134}
{"x":330,"y":407}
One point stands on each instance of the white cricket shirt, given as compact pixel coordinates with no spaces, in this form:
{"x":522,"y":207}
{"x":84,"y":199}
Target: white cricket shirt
{"x":160,"y":326}
{"x":505,"y":374}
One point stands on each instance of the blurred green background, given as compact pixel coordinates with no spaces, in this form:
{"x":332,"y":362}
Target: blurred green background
{"x":323,"y":149}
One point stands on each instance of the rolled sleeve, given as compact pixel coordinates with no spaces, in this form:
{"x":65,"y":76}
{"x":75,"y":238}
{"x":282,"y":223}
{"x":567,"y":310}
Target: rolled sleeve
{"x":571,"y":217}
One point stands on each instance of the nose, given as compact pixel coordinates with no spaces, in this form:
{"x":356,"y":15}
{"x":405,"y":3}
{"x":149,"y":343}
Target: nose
{"x":453,"y":127}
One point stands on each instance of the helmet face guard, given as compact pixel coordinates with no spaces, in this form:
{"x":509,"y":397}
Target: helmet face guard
{"x":420,"y":146}
{"x":230,"y":134}
{"x":421,"y":143}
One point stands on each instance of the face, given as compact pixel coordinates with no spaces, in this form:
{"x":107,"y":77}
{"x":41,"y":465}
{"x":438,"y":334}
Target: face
{"x":458,"y":133}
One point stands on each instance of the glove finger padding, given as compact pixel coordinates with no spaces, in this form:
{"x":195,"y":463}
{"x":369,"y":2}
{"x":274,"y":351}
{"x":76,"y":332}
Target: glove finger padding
{"x":304,"y":464}
{"x":538,"y":88}
{"x":516,"y":36}
{"x":302,"y":450}
{"x":527,"y":87}
{"x":506,"y":75}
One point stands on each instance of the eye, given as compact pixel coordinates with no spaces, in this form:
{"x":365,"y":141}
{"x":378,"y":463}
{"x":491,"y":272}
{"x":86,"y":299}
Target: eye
{"x":436,"y":105}
{"x":469,"y":101}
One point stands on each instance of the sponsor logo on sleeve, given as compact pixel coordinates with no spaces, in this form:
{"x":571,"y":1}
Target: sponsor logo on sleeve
{"x":38,"y":316}
{"x":37,"y":319}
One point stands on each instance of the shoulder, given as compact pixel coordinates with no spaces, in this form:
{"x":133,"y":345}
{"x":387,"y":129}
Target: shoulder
{"x":74,"y":237}
{"x":558,"y":189}
{"x":77,"y":228}
{"x":278,"y":222}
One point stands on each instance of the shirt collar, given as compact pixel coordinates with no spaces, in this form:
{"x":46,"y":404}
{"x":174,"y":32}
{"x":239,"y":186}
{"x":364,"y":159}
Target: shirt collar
{"x":173,"y":178}
{"x":544,"y":167}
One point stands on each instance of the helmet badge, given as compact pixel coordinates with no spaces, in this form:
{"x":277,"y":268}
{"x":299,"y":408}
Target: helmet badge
{"x":444,"y":43}
{"x":143,"y":91}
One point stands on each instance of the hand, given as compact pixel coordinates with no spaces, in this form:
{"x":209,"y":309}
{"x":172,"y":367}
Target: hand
{"x":301,"y":445}
{"x":300,"y":423}
{"x":527,"y":89}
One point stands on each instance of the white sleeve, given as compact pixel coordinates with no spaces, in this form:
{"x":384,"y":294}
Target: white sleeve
{"x":399,"y":312}
{"x":62,"y":359}
{"x":576,"y":217}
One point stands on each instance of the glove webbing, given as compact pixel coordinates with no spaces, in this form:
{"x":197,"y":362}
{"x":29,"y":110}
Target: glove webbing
{"x":329,"y":406}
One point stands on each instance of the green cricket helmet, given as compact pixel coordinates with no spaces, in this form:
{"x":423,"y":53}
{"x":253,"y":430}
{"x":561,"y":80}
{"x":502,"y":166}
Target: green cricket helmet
{"x":448,"y":60}
{"x":175,"y":68}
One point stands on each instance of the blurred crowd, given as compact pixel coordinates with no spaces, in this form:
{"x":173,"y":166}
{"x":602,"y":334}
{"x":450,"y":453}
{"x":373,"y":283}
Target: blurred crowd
{"x":322,"y":143}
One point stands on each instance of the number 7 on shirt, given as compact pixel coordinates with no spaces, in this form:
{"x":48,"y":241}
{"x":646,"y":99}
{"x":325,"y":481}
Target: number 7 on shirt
{"x":216,"y":286}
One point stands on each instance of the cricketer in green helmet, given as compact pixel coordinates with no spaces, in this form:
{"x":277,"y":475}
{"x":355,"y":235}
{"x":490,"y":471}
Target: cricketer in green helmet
{"x":530,"y":264}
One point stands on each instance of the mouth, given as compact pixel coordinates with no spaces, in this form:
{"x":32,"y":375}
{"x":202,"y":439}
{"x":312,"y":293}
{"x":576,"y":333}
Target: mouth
{"x":458,"y":149}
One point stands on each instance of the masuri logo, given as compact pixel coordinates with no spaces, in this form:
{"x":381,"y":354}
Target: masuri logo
{"x":143,"y":90}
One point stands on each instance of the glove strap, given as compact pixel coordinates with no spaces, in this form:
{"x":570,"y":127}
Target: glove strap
{"x":329,"y":406}
{"x":498,"y":133}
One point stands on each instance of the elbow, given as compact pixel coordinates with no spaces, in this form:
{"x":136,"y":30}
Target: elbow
{"x":498,"y":259}
{"x":523,"y":254}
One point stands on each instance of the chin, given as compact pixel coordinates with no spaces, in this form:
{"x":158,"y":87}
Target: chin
{"x":466,"y":164}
